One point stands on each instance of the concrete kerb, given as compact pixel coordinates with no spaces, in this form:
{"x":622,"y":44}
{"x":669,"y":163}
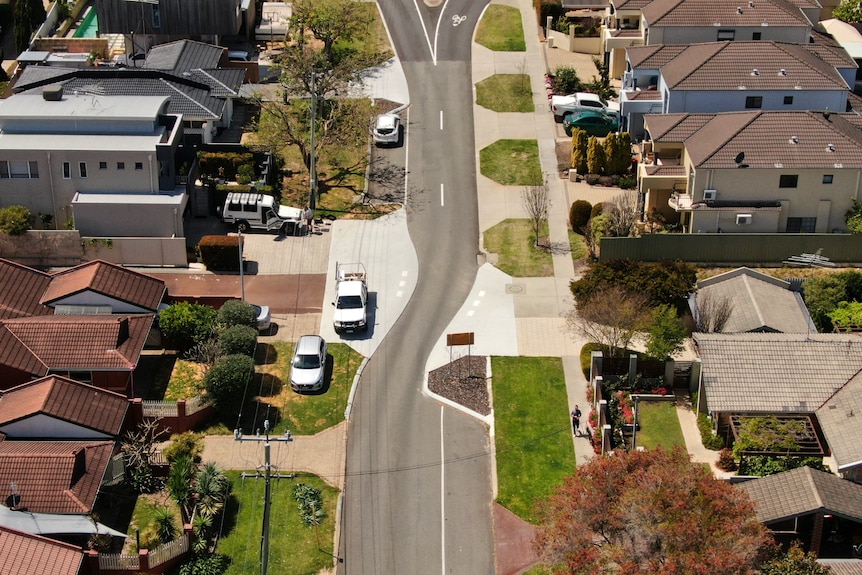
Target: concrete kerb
{"x":353,"y":387}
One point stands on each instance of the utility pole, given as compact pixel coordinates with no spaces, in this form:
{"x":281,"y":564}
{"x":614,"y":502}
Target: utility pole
{"x":312,"y":179}
{"x":267,"y":476}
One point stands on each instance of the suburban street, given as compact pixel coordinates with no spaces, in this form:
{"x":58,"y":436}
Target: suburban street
{"x":417,"y":490}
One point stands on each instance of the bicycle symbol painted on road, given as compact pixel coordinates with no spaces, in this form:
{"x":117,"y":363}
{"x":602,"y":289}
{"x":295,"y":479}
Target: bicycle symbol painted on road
{"x":457,"y":19}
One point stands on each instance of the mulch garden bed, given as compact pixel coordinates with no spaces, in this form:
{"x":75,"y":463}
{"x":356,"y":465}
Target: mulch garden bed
{"x":464,"y":381}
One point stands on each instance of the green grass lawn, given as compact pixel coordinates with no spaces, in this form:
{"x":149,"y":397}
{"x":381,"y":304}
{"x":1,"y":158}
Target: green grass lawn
{"x":294,"y":548}
{"x":506,"y":93}
{"x":515,"y":244}
{"x":578,"y":246}
{"x":512,"y":162}
{"x":186,"y":380}
{"x":533,"y":432}
{"x":659,"y":425}
{"x":144,"y":517}
{"x":500,"y":29}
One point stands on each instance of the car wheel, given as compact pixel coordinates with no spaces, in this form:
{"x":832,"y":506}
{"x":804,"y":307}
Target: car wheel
{"x":242,"y":227}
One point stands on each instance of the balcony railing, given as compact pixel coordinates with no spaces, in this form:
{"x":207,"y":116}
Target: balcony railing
{"x":680,"y":202}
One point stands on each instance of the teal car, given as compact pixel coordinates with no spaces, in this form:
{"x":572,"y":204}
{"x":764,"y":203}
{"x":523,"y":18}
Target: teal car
{"x":597,"y":124}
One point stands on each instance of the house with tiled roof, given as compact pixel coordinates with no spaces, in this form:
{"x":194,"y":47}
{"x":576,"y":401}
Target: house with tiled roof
{"x":840,"y":417}
{"x":821,"y":510}
{"x":99,"y":349}
{"x":650,"y":22}
{"x":753,"y":171}
{"x":733,"y":76}
{"x":27,"y":554}
{"x":55,"y":476}
{"x":20,"y":290}
{"x":758,"y":302}
{"x":56,"y":407}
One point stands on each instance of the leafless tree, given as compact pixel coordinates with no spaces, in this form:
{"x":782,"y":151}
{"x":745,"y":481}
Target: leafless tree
{"x":712,"y":313}
{"x":590,"y":239}
{"x":205,"y":352}
{"x":622,"y":213}
{"x":537,"y":203}
{"x":611,"y":318}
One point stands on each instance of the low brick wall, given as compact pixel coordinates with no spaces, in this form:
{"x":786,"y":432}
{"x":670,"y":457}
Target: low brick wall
{"x":73,"y":45}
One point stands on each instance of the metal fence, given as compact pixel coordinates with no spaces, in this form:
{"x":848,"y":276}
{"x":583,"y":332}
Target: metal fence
{"x":196,"y":404}
{"x":158,"y":408}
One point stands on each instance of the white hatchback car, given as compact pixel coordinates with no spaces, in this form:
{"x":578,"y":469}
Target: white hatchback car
{"x":387,"y":129}
{"x":309,"y":363}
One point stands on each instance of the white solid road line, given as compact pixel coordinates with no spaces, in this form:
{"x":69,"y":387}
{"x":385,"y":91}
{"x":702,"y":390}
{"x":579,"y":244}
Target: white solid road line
{"x":442,"y":203}
{"x":441,"y":119}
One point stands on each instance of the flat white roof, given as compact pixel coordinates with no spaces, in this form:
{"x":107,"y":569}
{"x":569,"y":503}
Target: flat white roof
{"x":160,"y":199}
{"x":80,"y":142}
{"x":21,"y":106}
{"x":846,"y":35}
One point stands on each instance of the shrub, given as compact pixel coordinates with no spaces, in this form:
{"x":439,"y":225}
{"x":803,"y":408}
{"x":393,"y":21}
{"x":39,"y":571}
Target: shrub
{"x":14,"y":220}
{"x":710,"y":440}
{"x":763,"y":465}
{"x":579,"y":214}
{"x":220,"y":253}
{"x":664,"y":282}
{"x":238,"y":339}
{"x":188,"y":444}
{"x":186,"y":324}
{"x":566,"y":80}
{"x":628,"y":183}
{"x":245,"y":173}
{"x":725,"y":461}
{"x":580,"y":142}
{"x":595,"y":156}
{"x":226,"y":380}
{"x":236,"y":312}
{"x":228,"y":162}
{"x":597,"y":210}
{"x":552,"y":8}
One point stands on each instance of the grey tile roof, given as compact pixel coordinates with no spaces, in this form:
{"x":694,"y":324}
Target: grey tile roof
{"x":714,"y":140}
{"x":760,"y":302}
{"x":728,"y":65}
{"x":709,"y":12}
{"x":775,"y":372}
{"x":840,"y":419}
{"x":802,"y":491}
{"x":184,"y":55}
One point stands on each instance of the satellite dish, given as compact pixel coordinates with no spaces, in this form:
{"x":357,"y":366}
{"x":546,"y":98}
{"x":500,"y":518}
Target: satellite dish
{"x":739,"y":157}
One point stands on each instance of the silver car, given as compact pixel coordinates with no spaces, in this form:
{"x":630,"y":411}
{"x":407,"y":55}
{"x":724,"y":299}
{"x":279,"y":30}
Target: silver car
{"x":387,"y":129}
{"x":309,"y":363}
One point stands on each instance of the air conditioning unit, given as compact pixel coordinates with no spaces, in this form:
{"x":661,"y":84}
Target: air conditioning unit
{"x":743,"y":219}
{"x":709,"y":195}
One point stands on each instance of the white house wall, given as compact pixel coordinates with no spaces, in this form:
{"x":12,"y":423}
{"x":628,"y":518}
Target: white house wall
{"x":701,"y":34}
{"x":41,"y":426}
{"x":732,"y":101}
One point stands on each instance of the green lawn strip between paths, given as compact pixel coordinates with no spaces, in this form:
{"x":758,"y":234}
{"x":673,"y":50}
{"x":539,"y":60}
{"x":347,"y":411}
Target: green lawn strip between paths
{"x":506,"y":93}
{"x":533,"y":435}
{"x":512,"y":162}
{"x":659,"y":425}
{"x":294,"y":548}
{"x":515,"y":244}
{"x":500,"y":29}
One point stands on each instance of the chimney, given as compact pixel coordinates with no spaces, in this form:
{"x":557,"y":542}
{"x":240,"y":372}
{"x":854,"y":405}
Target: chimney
{"x":52,"y":93}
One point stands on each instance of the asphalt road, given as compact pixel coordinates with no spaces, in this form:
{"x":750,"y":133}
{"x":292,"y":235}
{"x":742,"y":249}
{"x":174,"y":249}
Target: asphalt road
{"x":417,"y":494}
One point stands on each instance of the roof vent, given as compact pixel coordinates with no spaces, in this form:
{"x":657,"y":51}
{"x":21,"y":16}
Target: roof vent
{"x":830,"y":147}
{"x":755,"y":72}
{"x":794,"y":139}
{"x":751,"y":3}
{"x":782,"y":72}
{"x":739,"y":9}
{"x":52,"y":93}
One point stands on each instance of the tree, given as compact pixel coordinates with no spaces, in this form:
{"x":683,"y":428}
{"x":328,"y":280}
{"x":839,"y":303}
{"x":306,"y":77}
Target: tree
{"x":180,"y":485}
{"x":611,"y":318}
{"x":622,"y":213}
{"x":14,"y":220}
{"x":822,"y":294}
{"x":29,"y":15}
{"x":847,"y":316}
{"x":579,"y":215}
{"x":853,"y":217}
{"x":190,"y":444}
{"x":238,"y":339}
{"x":618,"y":153}
{"x":849,"y":11}
{"x":536,"y":201}
{"x":663,"y":282}
{"x":329,"y":21}
{"x":580,"y":143}
{"x":666,"y":334}
{"x":138,"y":448}
{"x":187,"y":324}
{"x":226,"y":380}
{"x":566,"y":80}
{"x":236,"y":312}
{"x":595,"y":156}
{"x":712,"y":313}
{"x":794,"y":562}
{"x":652,"y":512}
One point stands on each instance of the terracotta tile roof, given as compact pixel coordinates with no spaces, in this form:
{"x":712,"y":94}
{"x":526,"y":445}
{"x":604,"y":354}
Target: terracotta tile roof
{"x":629,"y":4}
{"x":65,"y":399}
{"x":20,"y":289}
{"x":710,"y":12}
{"x":107,"y":279}
{"x":643,"y":95}
{"x":718,"y":66}
{"x":840,"y":418}
{"x":73,"y":342}
{"x":760,"y":302}
{"x":802,"y":491}
{"x":26,"y":554}
{"x":55,"y":476}
{"x":654,"y":56}
{"x":775,"y":372}
{"x":675,"y":127}
{"x":670,"y":171}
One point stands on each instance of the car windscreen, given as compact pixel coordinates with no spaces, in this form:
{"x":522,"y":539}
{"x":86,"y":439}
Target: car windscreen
{"x":349,"y":302}
{"x":306,"y":362}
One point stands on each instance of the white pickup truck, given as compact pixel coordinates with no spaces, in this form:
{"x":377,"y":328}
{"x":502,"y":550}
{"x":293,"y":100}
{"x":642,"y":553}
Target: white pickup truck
{"x":578,"y":102}
{"x":351,"y":298}
{"x":259,"y":211}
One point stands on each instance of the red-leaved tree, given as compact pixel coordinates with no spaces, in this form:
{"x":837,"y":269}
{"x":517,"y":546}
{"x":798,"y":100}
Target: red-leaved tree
{"x":649,"y":512}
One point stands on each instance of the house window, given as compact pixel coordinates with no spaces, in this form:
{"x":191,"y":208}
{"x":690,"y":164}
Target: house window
{"x":157,"y":17}
{"x":788,"y":181}
{"x":139,"y":165}
{"x":827,"y":178}
{"x":753,"y":102}
{"x":726,"y":35}
{"x":22,"y":170}
{"x":756,"y":36}
{"x":788,"y":100}
{"x":801,"y":225}
{"x":82,"y":169}
{"x":103,"y":165}
{"x":121,"y":165}
{"x":67,"y":171}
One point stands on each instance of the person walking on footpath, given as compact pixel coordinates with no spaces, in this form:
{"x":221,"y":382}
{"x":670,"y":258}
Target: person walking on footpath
{"x":309,"y":219}
{"x":576,"y":420}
